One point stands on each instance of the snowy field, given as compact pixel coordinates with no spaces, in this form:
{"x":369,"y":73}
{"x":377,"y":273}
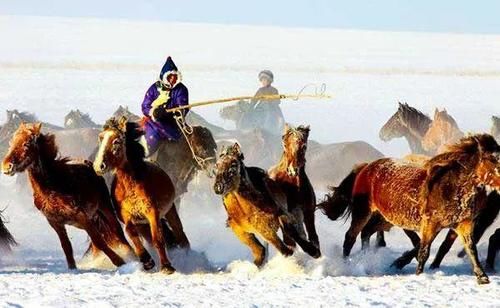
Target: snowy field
{"x":51,"y":65}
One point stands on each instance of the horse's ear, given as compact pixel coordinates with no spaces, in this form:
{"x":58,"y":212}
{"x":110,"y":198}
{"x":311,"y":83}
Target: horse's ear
{"x":37,"y":128}
{"x":236,"y":149}
{"x":436,"y":113}
{"x":122,"y":123}
{"x":286,"y":128}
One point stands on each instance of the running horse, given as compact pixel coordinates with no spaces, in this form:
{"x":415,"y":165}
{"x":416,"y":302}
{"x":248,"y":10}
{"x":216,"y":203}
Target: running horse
{"x":142,"y":193}
{"x":448,"y":192}
{"x":442,"y":132}
{"x":290,"y":174}
{"x":66,"y":192}
{"x":409,"y":123}
{"x":256,"y":206}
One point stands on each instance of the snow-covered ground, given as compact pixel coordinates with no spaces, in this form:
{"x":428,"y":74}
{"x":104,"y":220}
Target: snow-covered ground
{"x":50,"y":65}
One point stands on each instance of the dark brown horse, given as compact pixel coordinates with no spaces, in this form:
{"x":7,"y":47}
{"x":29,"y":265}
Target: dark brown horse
{"x":290,"y":174}
{"x":409,"y":123}
{"x":255,"y":206}
{"x":142,"y":192}
{"x":448,"y":193}
{"x":66,"y":192}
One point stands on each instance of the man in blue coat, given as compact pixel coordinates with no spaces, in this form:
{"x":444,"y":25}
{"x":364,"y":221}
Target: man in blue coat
{"x":168,"y":92}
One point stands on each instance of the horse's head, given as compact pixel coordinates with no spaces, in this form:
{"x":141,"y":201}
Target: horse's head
{"x":495,"y":129}
{"x":205,"y":149}
{"x":488,"y":168}
{"x":124,"y":112}
{"x":77,"y":119}
{"x":112,"y":146}
{"x":394,"y":127}
{"x":23,"y":149}
{"x":442,"y":131}
{"x":229,"y":170}
{"x":233,"y":112}
{"x":295,"y":146}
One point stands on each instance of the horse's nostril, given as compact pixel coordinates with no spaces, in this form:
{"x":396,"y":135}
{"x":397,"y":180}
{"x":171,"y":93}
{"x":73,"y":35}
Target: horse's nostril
{"x":218,"y":188}
{"x":103,"y":166}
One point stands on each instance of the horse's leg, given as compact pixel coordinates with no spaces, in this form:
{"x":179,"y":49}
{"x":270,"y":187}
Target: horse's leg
{"x":381,"y":239}
{"x":65,"y":243}
{"x":296,"y":231}
{"x":159,"y":242}
{"x":493,"y":246}
{"x":451,"y":236}
{"x":360,"y":217}
{"x":115,"y":225}
{"x":141,"y":252}
{"x":465,"y":230}
{"x":289,"y":241}
{"x":485,"y":219}
{"x":272,"y":237}
{"x":100,"y":243}
{"x":428,"y":232}
{"x":258,"y":250}
{"x":309,"y":222}
{"x":175,"y":223}
{"x":372,"y":226}
{"x":168,"y":234}
{"x":408,"y":256}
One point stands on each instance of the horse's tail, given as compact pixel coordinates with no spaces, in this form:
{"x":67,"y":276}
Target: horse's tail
{"x":6,"y":238}
{"x":338,"y":202}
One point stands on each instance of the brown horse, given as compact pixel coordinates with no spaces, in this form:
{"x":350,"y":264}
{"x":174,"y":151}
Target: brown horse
{"x":338,"y":200}
{"x":255,"y":206}
{"x":442,"y":132}
{"x":336,"y":203}
{"x":66,"y":192}
{"x":142,"y":192}
{"x":409,"y":123}
{"x":290,"y":174}
{"x":448,"y":193}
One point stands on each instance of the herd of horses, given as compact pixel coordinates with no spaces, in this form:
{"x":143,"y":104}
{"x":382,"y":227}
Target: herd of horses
{"x":451,"y":181}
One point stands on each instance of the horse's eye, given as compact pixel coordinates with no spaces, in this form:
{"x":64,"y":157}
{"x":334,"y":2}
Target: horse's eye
{"x":116,"y":142}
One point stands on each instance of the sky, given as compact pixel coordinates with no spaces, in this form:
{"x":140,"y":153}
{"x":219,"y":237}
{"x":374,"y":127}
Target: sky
{"x":459,"y":16}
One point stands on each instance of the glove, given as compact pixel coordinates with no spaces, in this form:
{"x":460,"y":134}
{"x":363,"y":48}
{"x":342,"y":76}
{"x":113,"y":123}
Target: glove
{"x":162,"y":99}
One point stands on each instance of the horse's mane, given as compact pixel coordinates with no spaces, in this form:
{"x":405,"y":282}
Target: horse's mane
{"x":206,"y":137}
{"x":135,"y":151}
{"x":48,"y":149}
{"x":414,"y":118}
{"x":23,"y":116}
{"x":459,"y":155}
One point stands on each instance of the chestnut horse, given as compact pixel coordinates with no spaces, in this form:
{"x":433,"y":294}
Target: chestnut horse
{"x":337,"y":201}
{"x":442,"y":132}
{"x":448,"y":193}
{"x":290,"y":174}
{"x":142,"y":192}
{"x":255,"y":206}
{"x":66,"y":192}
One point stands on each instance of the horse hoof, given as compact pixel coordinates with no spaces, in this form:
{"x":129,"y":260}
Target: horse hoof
{"x":483,"y":280}
{"x":148,"y":265}
{"x":419,"y":271}
{"x":167,"y":269}
{"x":287,"y":252}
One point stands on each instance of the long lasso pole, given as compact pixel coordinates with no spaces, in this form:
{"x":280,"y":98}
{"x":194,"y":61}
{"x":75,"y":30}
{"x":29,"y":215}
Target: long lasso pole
{"x":319,"y":94}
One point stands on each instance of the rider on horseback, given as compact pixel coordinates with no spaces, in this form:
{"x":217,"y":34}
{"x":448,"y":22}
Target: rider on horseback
{"x":166,"y":93}
{"x":266,"y":114}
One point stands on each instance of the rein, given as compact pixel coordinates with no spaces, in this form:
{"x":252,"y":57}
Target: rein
{"x":186,"y":130}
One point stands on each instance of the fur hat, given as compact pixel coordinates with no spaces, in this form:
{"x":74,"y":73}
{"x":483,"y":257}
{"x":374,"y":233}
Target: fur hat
{"x":266,"y":74}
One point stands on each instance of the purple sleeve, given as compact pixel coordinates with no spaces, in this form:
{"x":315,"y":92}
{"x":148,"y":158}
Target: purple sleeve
{"x":181,"y":98}
{"x":150,"y":96}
